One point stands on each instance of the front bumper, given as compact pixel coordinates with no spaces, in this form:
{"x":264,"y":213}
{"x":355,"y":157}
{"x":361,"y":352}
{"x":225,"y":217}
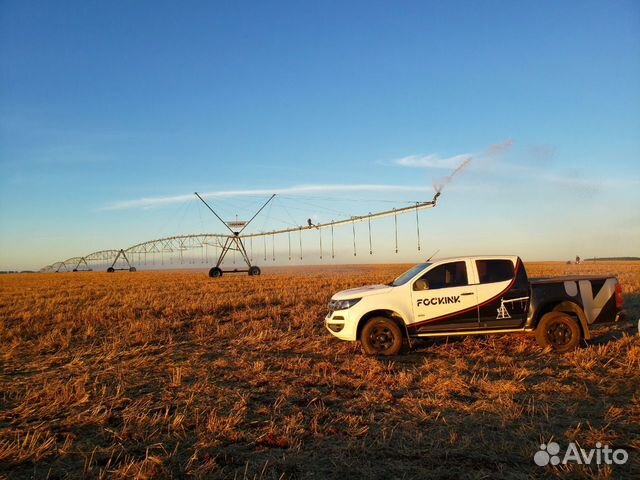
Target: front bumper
{"x":341,"y":324}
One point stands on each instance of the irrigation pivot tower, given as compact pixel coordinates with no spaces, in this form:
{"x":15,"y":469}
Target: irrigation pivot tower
{"x":234,"y":242}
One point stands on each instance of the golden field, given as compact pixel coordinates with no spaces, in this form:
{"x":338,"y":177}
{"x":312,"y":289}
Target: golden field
{"x":173,"y":374}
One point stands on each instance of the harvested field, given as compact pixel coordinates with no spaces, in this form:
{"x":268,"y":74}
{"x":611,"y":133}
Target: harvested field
{"x":172,"y":374}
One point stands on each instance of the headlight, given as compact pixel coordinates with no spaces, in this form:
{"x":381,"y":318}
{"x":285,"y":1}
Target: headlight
{"x":343,"y":304}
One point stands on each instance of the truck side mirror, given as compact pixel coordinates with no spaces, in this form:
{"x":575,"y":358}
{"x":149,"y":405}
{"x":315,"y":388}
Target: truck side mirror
{"x":420,"y":285}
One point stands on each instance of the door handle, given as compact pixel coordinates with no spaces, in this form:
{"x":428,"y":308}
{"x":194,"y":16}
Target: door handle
{"x":468,"y":293}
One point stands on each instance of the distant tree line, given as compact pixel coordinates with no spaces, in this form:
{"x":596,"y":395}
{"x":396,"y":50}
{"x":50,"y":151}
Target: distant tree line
{"x":611,"y":259}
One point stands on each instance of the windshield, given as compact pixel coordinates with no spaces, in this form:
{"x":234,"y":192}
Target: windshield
{"x":409,"y":274}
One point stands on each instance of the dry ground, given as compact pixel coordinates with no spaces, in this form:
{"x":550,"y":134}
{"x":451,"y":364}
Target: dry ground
{"x":171,"y":374}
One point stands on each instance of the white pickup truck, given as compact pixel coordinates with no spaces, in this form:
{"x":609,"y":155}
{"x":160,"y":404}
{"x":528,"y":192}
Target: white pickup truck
{"x":474,"y":295}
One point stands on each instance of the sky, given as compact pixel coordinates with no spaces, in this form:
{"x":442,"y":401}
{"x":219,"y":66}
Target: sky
{"x":113,"y":113}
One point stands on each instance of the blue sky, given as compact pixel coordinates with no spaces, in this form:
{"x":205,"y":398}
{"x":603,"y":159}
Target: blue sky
{"x":106,"y":103}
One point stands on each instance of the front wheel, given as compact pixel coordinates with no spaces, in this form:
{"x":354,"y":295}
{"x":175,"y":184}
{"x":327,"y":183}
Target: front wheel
{"x":381,"y":336}
{"x":558,"y":331}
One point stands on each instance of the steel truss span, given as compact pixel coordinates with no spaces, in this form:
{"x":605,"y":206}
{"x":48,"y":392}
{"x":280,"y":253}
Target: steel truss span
{"x":222,"y":244}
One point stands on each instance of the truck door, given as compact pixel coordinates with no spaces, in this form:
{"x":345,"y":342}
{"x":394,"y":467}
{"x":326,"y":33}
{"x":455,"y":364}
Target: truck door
{"x":503,"y":293}
{"x":443,"y":299}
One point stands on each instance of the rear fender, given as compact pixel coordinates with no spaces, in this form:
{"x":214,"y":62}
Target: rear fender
{"x":570,"y":307}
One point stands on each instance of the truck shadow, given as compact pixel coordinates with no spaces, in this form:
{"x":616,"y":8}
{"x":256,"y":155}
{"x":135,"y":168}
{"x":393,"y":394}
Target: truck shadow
{"x":613,"y":333}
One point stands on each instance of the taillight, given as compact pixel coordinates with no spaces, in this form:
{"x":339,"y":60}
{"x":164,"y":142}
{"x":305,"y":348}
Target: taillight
{"x":619,"y":299}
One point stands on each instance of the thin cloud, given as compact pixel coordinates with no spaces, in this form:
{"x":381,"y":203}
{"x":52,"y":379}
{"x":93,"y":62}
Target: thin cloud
{"x":587,"y":183}
{"x":432,"y":161}
{"x":150,"y":202}
{"x":457,"y":163}
{"x":569,"y":179}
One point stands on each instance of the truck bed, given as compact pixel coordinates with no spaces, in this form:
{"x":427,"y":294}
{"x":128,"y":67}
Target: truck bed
{"x":568,"y":278}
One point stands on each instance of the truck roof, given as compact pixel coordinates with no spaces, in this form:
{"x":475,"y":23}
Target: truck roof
{"x":475,"y":257}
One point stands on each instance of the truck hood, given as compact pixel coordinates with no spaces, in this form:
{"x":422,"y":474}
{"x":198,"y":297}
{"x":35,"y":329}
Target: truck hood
{"x":360,"y":292}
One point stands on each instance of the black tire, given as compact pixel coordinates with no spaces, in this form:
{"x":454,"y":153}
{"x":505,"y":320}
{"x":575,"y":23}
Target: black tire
{"x":558,"y":331}
{"x":215,"y":272}
{"x":255,"y":270}
{"x":132,"y":269}
{"x":75,"y":269}
{"x":381,"y":336}
{"x":110,"y":270}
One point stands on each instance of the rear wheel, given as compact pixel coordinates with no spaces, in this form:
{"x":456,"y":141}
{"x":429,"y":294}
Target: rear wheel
{"x":215,"y":272}
{"x":558,"y":331}
{"x":110,"y":270}
{"x":381,"y":336}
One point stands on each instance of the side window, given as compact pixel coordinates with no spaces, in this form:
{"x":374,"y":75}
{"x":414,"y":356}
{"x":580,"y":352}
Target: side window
{"x":491,"y":271}
{"x":452,"y":274}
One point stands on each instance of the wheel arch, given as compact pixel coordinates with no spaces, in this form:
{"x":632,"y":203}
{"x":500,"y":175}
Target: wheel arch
{"x":390,"y":314}
{"x":569,"y":307}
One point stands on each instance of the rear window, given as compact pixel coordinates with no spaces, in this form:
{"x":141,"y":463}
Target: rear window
{"x":491,"y":271}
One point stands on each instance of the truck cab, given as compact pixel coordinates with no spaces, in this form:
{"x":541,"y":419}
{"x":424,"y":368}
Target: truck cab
{"x":455,"y":296}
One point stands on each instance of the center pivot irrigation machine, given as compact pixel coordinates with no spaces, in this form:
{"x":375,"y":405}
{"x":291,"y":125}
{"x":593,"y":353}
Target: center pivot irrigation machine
{"x":235,"y":241}
{"x":181,"y":248}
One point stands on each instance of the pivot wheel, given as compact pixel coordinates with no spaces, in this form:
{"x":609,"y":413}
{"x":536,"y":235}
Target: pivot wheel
{"x":132,"y":269}
{"x":215,"y":272}
{"x":381,"y":336}
{"x":254,"y":271}
{"x":558,"y":331}
{"x":110,"y":270}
